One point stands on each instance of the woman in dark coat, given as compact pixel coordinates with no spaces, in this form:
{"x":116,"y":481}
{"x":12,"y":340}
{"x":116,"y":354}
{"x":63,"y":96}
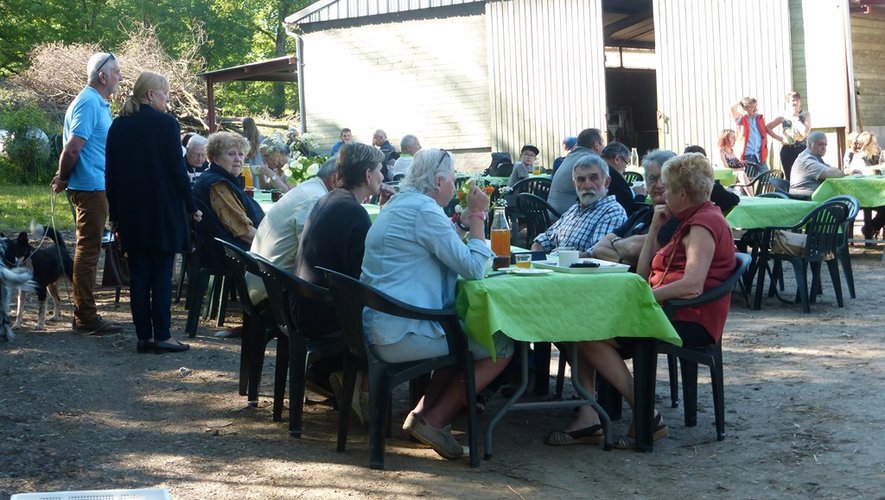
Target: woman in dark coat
{"x":148,"y":193}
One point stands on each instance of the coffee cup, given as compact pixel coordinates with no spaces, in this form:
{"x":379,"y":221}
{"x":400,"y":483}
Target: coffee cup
{"x":568,"y":256}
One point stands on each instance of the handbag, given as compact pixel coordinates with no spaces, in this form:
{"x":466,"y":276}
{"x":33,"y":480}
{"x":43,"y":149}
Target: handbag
{"x":788,"y":243}
{"x":116,"y":266}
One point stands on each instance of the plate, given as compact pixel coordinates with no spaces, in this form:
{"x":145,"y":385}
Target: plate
{"x":530,"y":272}
{"x":604,"y":267}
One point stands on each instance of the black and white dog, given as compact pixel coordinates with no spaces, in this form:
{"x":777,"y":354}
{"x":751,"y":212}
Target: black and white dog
{"x":48,"y":265}
{"x":10,"y":279}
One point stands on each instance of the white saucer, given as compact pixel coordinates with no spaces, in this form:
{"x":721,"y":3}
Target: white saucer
{"x":530,"y":272}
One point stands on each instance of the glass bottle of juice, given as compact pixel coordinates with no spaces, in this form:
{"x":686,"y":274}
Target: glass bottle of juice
{"x":500,"y":238}
{"x":247,"y":177}
{"x":634,"y":157}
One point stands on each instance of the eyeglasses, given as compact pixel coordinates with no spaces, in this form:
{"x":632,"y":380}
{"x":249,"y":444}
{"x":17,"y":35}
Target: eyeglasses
{"x":445,"y":154}
{"x":110,"y":57}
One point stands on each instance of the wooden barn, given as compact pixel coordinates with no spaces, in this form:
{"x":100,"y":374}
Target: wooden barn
{"x":476,"y":76}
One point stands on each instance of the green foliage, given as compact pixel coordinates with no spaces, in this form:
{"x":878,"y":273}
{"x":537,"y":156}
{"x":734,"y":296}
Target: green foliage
{"x":20,"y":204}
{"x":28,"y":155}
{"x":239,"y":32}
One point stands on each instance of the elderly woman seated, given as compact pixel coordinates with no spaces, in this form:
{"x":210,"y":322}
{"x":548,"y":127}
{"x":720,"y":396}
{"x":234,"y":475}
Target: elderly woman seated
{"x":236,"y":214}
{"x":195,"y":154}
{"x":698,"y":257}
{"x":414,"y":253}
{"x":276,"y":154}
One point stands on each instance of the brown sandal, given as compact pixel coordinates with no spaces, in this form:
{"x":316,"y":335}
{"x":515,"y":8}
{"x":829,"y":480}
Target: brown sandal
{"x":588,"y":435}
{"x":659,"y":431}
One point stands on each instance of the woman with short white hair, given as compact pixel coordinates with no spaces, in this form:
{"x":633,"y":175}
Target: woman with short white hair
{"x":415,"y":253}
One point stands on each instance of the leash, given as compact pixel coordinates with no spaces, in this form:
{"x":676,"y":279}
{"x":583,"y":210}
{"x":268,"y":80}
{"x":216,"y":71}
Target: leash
{"x":52,"y":197}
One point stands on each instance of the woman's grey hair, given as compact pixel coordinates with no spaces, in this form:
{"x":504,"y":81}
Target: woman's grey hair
{"x":196,"y":140}
{"x":591,"y":160}
{"x":656,"y":157}
{"x":96,"y":60}
{"x":691,"y":172}
{"x":427,"y":165}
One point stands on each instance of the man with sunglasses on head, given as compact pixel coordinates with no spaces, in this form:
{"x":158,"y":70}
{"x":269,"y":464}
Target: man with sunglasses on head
{"x":81,"y":171}
{"x":616,"y":155}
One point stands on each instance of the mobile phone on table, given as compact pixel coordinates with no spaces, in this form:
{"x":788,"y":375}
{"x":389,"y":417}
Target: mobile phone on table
{"x":585,"y":264}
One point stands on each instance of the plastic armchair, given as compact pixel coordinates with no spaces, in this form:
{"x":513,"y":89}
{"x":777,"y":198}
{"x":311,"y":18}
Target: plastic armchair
{"x":844,"y":255}
{"x":537,"y":213}
{"x":259,"y":328}
{"x":823,"y":229}
{"x":350,"y":298}
{"x":538,"y":186}
{"x":632,"y":177}
{"x":690,"y":357}
{"x":206,"y":271}
{"x":283,"y":290}
{"x":760,"y":183}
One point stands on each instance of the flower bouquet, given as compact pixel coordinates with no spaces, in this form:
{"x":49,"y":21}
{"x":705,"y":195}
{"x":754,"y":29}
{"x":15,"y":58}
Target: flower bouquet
{"x":306,"y":143}
{"x":462,"y":192}
{"x":301,"y":168}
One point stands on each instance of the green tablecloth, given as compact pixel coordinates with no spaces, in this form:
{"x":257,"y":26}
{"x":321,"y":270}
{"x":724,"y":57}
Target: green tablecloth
{"x":266,"y":203}
{"x":561,"y":307}
{"x":756,"y":213}
{"x":724,"y":175}
{"x":869,"y":191}
{"x":263,"y":198}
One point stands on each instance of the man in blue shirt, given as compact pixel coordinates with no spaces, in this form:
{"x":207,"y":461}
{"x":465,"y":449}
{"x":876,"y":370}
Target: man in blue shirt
{"x":346,"y":138}
{"x":81,"y":171}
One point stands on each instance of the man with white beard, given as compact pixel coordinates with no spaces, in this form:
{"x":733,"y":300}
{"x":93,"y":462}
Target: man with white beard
{"x":593,"y":216}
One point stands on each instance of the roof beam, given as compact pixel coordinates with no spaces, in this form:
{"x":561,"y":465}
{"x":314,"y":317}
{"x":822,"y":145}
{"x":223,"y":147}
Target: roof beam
{"x":623,"y":23}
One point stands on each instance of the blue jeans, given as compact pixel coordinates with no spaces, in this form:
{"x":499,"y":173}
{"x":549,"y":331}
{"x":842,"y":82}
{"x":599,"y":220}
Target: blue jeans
{"x":150,"y":276}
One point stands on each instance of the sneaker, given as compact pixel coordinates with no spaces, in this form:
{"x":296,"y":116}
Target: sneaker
{"x":98,"y":327}
{"x":441,"y":440}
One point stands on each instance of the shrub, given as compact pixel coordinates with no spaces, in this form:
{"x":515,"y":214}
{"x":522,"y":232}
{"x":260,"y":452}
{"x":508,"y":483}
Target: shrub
{"x":27,"y":153}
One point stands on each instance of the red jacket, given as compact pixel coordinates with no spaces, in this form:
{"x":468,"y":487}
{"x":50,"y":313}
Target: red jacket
{"x":743,"y":133}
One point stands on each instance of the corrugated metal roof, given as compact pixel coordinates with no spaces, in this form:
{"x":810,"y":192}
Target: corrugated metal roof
{"x":337,"y":10}
{"x":626,"y":23}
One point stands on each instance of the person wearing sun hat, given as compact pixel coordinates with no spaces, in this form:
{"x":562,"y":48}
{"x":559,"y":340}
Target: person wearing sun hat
{"x":523,"y":168}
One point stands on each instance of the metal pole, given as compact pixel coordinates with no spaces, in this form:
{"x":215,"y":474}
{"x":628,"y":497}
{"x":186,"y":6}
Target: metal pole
{"x":299,"y":54}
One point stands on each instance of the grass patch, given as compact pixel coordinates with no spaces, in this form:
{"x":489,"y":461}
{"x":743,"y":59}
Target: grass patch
{"x":20,"y":204}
